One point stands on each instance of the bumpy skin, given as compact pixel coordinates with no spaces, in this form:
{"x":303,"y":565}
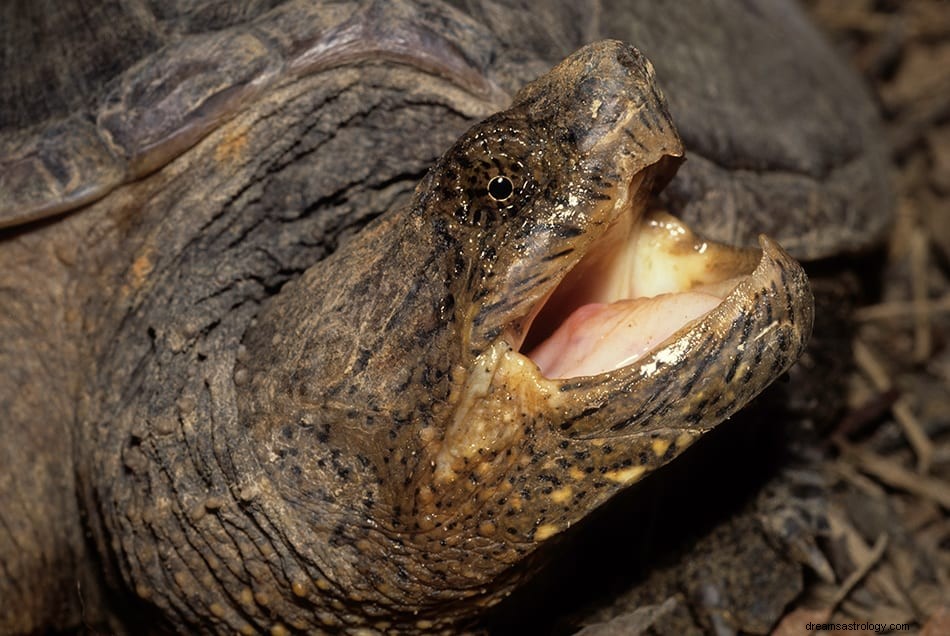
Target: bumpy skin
{"x":121,"y":325}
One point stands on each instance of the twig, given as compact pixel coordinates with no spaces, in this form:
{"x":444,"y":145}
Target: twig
{"x":896,"y":476}
{"x":923,"y":339}
{"x":871,"y":366}
{"x":880,"y":545}
{"x":903,"y":309}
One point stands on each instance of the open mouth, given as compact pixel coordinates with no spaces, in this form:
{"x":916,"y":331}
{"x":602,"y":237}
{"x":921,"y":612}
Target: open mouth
{"x":645,"y":279}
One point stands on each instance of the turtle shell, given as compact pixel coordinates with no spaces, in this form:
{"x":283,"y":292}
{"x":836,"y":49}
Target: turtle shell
{"x":781,"y":136}
{"x":95,"y":99}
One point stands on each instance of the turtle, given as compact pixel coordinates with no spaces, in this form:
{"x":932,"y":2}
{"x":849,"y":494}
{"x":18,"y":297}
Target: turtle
{"x":298,"y":297}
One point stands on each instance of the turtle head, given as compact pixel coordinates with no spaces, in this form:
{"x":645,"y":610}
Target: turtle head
{"x":472,"y":375}
{"x":525,"y":193}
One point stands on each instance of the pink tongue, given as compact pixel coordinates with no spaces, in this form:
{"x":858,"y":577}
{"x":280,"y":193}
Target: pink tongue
{"x":598,"y":338}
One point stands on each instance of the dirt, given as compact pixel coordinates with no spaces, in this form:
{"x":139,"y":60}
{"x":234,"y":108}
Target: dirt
{"x":894,"y":444}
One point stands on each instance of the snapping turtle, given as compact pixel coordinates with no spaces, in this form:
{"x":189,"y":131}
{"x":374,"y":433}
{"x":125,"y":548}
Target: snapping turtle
{"x":254,"y":379}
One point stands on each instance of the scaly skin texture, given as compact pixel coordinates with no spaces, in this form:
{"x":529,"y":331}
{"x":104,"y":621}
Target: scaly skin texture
{"x":375,"y":453}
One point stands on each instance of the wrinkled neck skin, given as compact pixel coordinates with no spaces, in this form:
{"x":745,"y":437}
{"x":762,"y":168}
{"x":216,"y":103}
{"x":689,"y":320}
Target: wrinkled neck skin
{"x":346,"y":375}
{"x":356,"y":393}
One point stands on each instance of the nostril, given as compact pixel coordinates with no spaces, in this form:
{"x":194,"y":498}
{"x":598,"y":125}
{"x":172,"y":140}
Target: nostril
{"x":629,"y":58}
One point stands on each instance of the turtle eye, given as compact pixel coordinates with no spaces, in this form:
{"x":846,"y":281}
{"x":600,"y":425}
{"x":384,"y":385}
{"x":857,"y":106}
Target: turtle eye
{"x":500,"y":188}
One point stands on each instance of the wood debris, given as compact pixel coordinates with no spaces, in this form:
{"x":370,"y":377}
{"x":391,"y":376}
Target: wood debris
{"x":889,"y":540}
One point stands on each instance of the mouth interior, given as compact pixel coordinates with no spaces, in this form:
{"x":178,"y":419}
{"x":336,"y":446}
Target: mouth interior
{"x":648,"y":277}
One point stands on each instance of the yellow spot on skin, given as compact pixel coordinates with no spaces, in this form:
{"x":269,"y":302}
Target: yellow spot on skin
{"x":684,"y":440}
{"x":660,"y":446}
{"x":262,"y":599}
{"x":246,"y":630}
{"x":486,"y":528}
{"x":483,"y":469}
{"x":515,"y":503}
{"x":545,"y":531}
{"x":425,"y":624}
{"x":279,"y":630}
{"x":181,"y":579}
{"x":426,"y":496}
{"x":595,"y":108}
{"x":299,"y":588}
{"x":626,"y":475}
{"x":428,"y":434}
{"x":216,"y":609}
{"x":247,"y":596}
{"x":322,"y":584}
{"x":562,"y":495}
{"x":138,"y":272}
{"x":142,"y":591}
{"x":576,"y":473}
{"x":141,"y":267}
{"x":232,"y":148}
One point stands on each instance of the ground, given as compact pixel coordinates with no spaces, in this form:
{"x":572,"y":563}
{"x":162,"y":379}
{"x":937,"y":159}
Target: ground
{"x":894,"y":444}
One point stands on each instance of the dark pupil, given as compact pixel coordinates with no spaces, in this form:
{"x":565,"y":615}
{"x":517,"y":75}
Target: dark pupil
{"x":500,"y":188}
